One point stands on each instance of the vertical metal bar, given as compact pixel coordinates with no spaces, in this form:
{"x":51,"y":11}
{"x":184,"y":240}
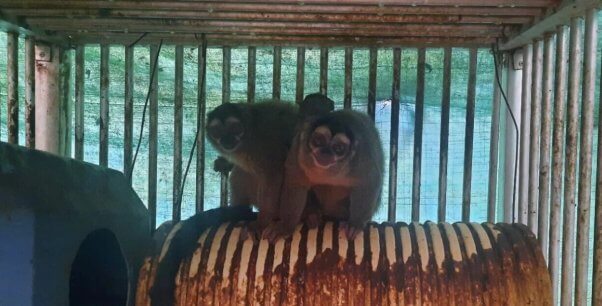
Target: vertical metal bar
{"x":128,"y":115}
{"x":65,"y":110}
{"x":418,"y":123}
{"x":394,"y":135}
{"x":468,"y":144}
{"x":300,"y":75}
{"x":560,"y":90}
{"x":523,"y":172}
{"x":178,"y":126}
{"x":30,"y":92}
{"x":445,"y":107}
{"x":104,"y":106}
{"x":201,"y":111}
{"x":535,"y":121}
{"x":225,"y":99}
{"x":597,"y":269}
{"x":348,"y":77}
{"x":79,"y":102}
{"x":324,"y":71}
{"x":494,"y":149}
{"x":568,"y":243}
{"x":276,"y":76}
{"x":544,"y":157}
{"x":251,"y":59}
{"x":585,"y":155}
{"x":372,"y":82}
{"x":12,"y":71}
{"x":152,"y":141}
{"x":48,"y":129}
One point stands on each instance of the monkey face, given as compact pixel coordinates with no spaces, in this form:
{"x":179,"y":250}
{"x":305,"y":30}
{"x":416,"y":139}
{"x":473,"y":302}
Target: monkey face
{"x":226,"y":128}
{"x":327,"y":149}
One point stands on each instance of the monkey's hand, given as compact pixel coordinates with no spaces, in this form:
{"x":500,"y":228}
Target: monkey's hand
{"x":278,"y":230}
{"x":351,"y":230}
{"x":222,"y":165}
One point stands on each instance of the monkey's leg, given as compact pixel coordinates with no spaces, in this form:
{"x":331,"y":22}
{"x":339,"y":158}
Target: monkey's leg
{"x":243,"y":188}
{"x":294,"y":199}
{"x":363,"y":205}
{"x":268,"y":198}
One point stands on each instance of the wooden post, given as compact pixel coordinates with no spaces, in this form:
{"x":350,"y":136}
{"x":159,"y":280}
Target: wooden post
{"x":30,"y":92}
{"x":104,"y":106}
{"x":493,"y":148}
{"x":570,"y":178}
{"x":535,"y":122}
{"x":523,"y":173}
{"x":418,"y":124}
{"x":79,"y":101}
{"x":276,"y":76}
{"x":324,"y":71}
{"x":252,"y":58}
{"x":128,"y":117}
{"x":178,"y":127}
{"x":468,"y":142}
{"x":585,"y":155}
{"x":201,"y":111}
{"x":12,"y":71}
{"x":560,"y":90}
{"x":394,"y":135}
{"x":544,"y":157}
{"x":152,"y":139}
{"x":372,"y":83}
{"x":445,"y":108}
{"x":300,"y":75}
{"x":225,"y":99}
{"x":348,"y":77}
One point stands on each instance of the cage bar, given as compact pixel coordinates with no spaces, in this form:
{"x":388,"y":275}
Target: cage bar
{"x":373,"y":62}
{"x":128,"y":112}
{"x":443,"y":144}
{"x":585,"y":155}
{"x":394,"y":136}
{"x":468,"y":144}
{"x":103,"y":152}
{"x":30,"y":92}
{"x":572,"y":130}
{"x":227,"y":57}
{"x":324,"y":71}
{"x":12,"y":94}
{"x":523,"y":172}
{"x":152,"y":138}
{"x":348,"y":77}
{"x":276,"y":76}
{"x":79,"y":102}
{"x":546,"y":131}
{"x":178,"y":126}
{"x":251,"y":73}
{"x":418,"y":124}
{"x":300,"y":79}
{"x":201,"y":111}
{"x":597,"y":269}
{"x":494,"y":148}
{"x":535,"y":121}
{"x":560,"y":90}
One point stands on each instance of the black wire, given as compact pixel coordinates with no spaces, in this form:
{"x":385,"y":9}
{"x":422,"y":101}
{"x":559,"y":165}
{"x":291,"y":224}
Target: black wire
{"x":138,"y":40}
{"x":150,"y":86}
{"x":198,"y":128}
{"x":495,"y":52}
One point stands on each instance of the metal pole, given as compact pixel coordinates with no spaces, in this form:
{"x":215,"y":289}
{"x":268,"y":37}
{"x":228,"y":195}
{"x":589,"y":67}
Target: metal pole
{"x":468,"y":142}
{"x":418,"y":124}
{"x":523,"y":173}
{"x":12,"y":71}
{"x":324,"y":71}
{"x":251,"y":59}
{"x":300,"y":74}
{"x":79,"y":101}
{"x":201,"y":111}
{"x":225,"y":99}
{"x":394,"y":135}
{"x":30,"y":92}
{"x":152,"y":141}
{"x":128,"y":117}
{"x":178,"y":129}
{"x":348,"y":77}
{"x":372,"y":82}
{"x":494,"y":149}
{"x":276,"y":75}
{"x":535,"y":121}
{"x":103,"y":152}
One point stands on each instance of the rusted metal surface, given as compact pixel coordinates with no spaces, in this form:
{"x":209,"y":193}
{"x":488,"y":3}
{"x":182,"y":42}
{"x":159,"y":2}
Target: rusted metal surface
{"x":585,"y":156}
{"x":324,"y":71}
{"x":418,"y":124}
{"x":373,"y":62}
{"x":201,"y":111}
{"x":560,"y":90}
{"x":177,"y":137}
{"x":30,"y":93}
{"x":79,"y":102}
{"x":300,"y":79}
{"x":128,"y":112}
{"x":103,"y":151}
{"x":570,"y":164}
{"x":387,"y":264}
{"x":494,"y":139}
{"x":525,"y":113}
{"x":348,"y":78}
{"x":443,"y":144}
{"x":546,"y":131}
{"x":276,"y":75}
{"x":12,"y":93}
{"x":534,"y":130}
{"x":468,"y":139}
{"x":251,"y":73}
{"x":152,"y":140}
{"x":392,"y":216}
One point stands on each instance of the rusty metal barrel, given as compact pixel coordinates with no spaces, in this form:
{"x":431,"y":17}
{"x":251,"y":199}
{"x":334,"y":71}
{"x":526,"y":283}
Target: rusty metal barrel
{"x":389,"y":264}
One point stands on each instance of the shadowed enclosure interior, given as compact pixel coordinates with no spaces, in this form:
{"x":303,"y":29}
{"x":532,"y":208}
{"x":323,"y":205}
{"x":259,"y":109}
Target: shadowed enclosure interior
{"x":424,"y":70}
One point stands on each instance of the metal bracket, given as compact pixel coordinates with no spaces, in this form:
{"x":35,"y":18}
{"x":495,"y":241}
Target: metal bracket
{"x":517,"y":60}
{"x":43,"y":52}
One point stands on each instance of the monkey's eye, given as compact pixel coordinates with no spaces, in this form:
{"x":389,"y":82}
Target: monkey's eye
{"x":236,"y":128}
{"x":339,"y":149}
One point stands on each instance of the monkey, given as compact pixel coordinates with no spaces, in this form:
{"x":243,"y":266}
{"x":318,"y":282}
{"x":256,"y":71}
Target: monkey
{"x":339,"y":157}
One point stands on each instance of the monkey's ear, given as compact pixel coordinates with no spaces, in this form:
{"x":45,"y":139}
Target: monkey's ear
{"x":316,"y":104}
